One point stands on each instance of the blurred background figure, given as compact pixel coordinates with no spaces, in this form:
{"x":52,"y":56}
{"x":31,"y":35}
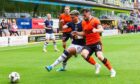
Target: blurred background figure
{"x":136,"y":22}
{"x":0,"y":31}
{"x":120,"y":27}
{"x":4,"y":27}
{"x":64,"y":19}
{"x":14,"y":28}
{"x":49,"y":33}
{"x":9,"y":23}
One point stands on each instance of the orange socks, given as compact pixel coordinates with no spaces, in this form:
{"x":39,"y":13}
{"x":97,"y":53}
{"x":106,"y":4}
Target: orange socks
{"x":107,"y":64}
{"x":91,"y":60}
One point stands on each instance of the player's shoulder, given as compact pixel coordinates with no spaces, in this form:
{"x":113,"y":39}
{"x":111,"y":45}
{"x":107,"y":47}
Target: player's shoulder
{"x":96,"y":19}
{"x":83,"y":22}
{"x":62,"y":15}
{"x":46,"y":21}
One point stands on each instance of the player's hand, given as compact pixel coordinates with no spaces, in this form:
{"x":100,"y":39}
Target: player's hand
{"x":74,"y":33}
{"x":94,"y":30}
{"x":61,"y":20}
{"x":49,"y":26}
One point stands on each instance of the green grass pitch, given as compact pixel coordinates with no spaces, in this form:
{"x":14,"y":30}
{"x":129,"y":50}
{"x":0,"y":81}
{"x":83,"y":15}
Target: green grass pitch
{"x":123,"y":51}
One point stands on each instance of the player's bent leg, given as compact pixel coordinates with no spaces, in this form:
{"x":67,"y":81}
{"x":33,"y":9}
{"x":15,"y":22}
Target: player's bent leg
{"x":106,"y":62}
{"x":71,"y":51}
{"x":64,"y":64}
{"x":65,"y":38}
{"x":64,"y":44}
{"x":84,"y":53}
{"x":64,"y":41}
{"x":87,"y":56}
{"x":46,"y":42}
{"x":58,"y":60}
{"x":55,"y":46}
{"x":93,"y":62}
{"x":45,"y":46}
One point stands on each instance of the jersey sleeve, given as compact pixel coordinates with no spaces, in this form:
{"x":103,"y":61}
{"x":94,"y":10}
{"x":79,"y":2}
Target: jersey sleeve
{"x":82,"y":23}
{"x":97,"y":22}
{"x":60,"y":17}
{"x":52,"y":23}
{"x":46,"y":23}
{"x":69,"y":24}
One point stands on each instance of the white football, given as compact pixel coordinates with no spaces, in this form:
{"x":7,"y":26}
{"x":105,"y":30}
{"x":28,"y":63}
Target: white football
{"x":14,"y":77}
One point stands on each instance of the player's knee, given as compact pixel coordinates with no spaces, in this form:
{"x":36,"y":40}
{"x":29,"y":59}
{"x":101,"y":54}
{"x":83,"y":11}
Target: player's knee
{"x":63,"y":40}
{"x":84,"y":54}
{"x":65,"y":61}
{"x":54,"y":40}
{"x":99,"y":55}
{"x":104,"y":60}
{"x":72,"y":50}
{"x":46,"y":43}
{"x":66,"y":53}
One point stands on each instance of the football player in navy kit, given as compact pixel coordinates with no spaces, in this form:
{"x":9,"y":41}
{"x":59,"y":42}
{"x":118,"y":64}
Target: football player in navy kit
{"x":76,"y":46}
{"x":49,"y":33}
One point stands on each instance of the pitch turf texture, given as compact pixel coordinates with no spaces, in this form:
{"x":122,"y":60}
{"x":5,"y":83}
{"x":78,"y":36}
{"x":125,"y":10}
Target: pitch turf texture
{"x":123,"y":51}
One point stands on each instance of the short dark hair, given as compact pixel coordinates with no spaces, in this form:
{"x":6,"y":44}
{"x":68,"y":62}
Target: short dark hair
{"x":85,"y":10}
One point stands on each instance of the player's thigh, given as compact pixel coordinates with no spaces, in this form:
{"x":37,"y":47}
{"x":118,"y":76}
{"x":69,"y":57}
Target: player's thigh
{"x":98,"y":51}
{"x":85,"y":53}
{"x":47,"y":36}
{"x":52,"y":36}
{"x":4,"y":31}
{"x":78,"y":49}
{"x":99,"y":54}
{"x":65,"y":37}
{"x":71,"y":49}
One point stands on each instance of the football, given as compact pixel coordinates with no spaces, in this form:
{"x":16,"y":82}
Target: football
{"x":14,"y":77}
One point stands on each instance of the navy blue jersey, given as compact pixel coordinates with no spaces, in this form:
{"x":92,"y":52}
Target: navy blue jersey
{"x":78,"y":40}
{"x":4,"y":25}
{"x":49,"y":24}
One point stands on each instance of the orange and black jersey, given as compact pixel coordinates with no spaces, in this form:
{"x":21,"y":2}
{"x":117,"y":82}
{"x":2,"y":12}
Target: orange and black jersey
{"x":91,"y":38}
{"x":67,"y":19}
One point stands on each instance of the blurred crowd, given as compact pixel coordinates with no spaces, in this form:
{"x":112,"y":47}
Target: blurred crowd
{"x":124,"y":24}
{"x":8,"y":28}
{"x":131,"y":24}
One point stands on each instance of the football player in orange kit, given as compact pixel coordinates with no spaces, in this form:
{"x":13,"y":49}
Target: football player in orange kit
{"x":91,"y":30}
{"x":63,"y":20}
